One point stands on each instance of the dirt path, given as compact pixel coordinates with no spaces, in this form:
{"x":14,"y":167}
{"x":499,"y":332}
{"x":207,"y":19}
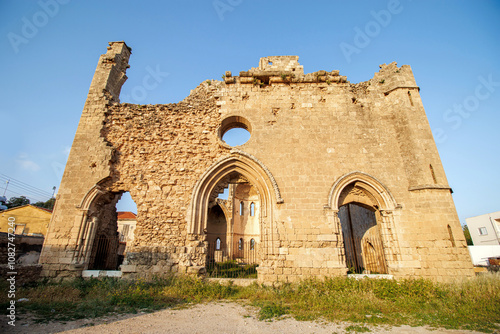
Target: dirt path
{"x":216,"y":318}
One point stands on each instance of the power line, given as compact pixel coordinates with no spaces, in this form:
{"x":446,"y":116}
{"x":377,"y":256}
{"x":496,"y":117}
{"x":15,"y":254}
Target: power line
{"x":6,"y":185}
{"x":31,"y":198}
{"x":24,"y":192}
{"x":24,"y":183}
{"x":24,"y":186}
{"x":11,"y":184}
{"x":20,"y":188}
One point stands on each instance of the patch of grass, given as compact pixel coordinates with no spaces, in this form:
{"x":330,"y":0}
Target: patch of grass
{"x":232,"y":269}
{"x":272,"y":310}
{"x":357,"y":329}
{"x":468,"y":305}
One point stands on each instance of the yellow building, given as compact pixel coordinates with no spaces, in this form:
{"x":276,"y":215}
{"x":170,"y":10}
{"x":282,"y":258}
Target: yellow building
{"x":28,"y":220}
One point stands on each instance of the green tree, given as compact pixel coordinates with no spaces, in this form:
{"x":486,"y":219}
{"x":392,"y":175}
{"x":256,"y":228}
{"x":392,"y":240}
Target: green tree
{"x":49,"y":204}
{"x":468,"y":238}
{"x":17,"y":201}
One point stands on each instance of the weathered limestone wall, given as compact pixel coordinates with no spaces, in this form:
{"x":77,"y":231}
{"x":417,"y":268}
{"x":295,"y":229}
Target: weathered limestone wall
{"x":311,"y":130}
{"x":317,"y":142}
{"x":88,"y":163}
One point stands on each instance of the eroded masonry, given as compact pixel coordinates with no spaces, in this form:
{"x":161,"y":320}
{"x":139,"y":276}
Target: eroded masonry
{"x":336,"y":178}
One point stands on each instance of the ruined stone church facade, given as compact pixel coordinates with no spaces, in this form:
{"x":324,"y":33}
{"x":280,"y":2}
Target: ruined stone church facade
{"x":336,"y":178}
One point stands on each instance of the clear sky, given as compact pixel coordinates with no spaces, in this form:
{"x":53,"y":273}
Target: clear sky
{"x":49,"y":50}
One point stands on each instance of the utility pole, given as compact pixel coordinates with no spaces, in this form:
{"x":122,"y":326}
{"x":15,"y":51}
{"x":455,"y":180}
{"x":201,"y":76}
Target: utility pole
{"x":6,"y":185}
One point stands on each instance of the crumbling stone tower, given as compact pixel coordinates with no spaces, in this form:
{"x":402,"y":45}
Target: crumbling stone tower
{"x":341,"y":177}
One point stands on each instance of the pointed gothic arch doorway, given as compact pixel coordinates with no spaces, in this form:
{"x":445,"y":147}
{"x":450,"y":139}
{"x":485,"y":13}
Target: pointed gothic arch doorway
{"x":232,"y":233}
{"x":363,"y":246}
{"x":246,"y":224}
{"x":100,"y":244}
{"x":365,"y":217}
{"x":230,"y":220}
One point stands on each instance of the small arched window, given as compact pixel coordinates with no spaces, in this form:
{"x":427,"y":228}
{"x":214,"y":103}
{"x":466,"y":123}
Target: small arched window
{"x":252,"y":244}
{"x":241,"y":208}
{"x":217,"y":244}
{"x":252,"y":209}
{"x":240,"y":244}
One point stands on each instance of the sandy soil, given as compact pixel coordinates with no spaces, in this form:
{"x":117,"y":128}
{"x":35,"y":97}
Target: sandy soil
{"x":205,"y":318}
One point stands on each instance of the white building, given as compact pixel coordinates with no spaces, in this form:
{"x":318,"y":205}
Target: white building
{"x":485,"y":229}
{"x":127,"y":222}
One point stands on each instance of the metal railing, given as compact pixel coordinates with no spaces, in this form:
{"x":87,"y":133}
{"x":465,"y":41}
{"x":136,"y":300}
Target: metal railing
{"x":238,"y":261}
{"x":101,"y":256}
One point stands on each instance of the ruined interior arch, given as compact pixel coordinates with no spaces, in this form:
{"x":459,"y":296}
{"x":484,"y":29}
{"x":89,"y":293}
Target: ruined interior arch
{"x":217,"y":226}
{"x":233,"y":233}
{"x":212,"y":218}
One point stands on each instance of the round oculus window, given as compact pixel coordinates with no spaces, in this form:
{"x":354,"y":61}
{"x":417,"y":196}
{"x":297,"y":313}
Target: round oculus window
{"x":235,"y":131}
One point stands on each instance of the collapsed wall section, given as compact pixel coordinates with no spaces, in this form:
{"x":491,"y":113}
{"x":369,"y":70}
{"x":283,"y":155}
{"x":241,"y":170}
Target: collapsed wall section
{"x":162,"y":151}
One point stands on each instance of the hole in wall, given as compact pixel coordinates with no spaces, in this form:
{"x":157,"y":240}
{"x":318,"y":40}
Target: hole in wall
{"x":111,"y":220}
{"x":235,"y":131}
{"x":225,"y":194}
{"x":127,"y":222}
{"x":236,"y":137}
{"x":126,"y":203}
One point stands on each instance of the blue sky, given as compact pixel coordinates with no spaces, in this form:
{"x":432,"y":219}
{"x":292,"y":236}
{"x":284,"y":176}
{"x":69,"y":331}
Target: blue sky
{"x":49,"y":50}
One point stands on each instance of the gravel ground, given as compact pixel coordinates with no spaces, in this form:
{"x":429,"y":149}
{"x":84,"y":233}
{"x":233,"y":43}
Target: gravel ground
{"x":217,"y":318}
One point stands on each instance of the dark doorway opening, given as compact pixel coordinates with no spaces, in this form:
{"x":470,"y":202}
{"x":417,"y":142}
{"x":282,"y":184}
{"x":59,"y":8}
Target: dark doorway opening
{"x":364,"y":252}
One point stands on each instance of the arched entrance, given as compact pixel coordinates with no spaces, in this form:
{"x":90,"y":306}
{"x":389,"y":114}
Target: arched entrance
{"x":98,"y":243}
{"x":363,"y":246}
{"x":239,"y":228}
{"x":365,"y":215}
{"x":233,"y":230}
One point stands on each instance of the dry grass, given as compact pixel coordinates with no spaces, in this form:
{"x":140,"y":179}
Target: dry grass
{"x":472,"y":304}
